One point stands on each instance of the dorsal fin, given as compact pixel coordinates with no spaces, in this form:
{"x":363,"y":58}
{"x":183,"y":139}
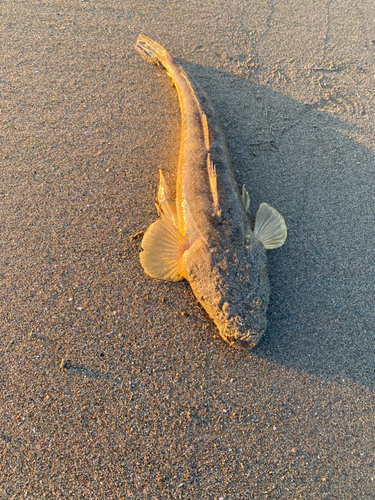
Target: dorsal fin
{"x":166,"y":206}
{"x":245,"y":199}
{"x":206,"y":132}
{"x":212,"y":176}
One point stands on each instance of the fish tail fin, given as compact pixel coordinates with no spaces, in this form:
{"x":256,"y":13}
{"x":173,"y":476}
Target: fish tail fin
{"x":151,"y":51}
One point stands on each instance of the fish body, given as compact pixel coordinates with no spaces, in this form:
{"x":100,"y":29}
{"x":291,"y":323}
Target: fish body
{"x":204,"y":236}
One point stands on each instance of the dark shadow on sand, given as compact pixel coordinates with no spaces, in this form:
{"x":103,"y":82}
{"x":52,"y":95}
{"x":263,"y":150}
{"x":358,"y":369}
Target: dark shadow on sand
{"x":304,"y":163}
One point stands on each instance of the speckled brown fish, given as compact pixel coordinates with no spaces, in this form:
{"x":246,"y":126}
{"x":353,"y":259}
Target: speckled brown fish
{"x":205,"y":236}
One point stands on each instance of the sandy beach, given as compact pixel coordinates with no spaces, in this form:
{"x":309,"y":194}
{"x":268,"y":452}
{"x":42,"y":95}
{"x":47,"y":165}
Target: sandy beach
{"x":118,"y":386}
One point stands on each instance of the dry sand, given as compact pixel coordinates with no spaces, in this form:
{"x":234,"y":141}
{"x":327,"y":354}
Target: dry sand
{"x":149,"y":402}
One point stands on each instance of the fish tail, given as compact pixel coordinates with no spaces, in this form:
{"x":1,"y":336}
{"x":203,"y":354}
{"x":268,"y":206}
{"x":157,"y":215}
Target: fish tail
{"x":151,"y":51}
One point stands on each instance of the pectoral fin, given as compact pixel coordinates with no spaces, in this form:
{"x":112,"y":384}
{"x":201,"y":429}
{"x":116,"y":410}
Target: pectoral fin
{"x":270,"y":227}
{"x":163,"y":247}
{"x":166,"y":206}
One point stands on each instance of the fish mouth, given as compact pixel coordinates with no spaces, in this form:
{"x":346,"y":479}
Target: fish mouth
{"x":243,"y":345}
{"x":246,"y":344}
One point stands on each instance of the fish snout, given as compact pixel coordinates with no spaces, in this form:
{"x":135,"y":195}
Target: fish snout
{"x":243,"y":323}
{"x":244,"y":333}
{"x":248,"y":343}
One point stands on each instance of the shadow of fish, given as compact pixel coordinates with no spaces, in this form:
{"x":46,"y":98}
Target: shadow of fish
{"x":205,"y":236}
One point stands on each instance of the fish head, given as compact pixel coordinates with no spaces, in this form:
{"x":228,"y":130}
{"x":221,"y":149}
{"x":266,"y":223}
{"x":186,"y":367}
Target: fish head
{"x":232,"y":286}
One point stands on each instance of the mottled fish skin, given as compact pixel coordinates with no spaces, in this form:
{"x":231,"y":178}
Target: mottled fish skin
{"x":206,"y":237}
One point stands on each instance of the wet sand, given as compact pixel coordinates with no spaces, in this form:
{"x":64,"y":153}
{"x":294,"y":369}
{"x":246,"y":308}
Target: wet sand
{"x":114,"y":385}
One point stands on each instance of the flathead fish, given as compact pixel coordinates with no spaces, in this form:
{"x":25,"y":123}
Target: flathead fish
{"x":204,"y":236}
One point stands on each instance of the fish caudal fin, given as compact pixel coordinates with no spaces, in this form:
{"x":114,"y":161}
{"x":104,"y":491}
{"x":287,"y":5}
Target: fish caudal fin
{"x":151,"y":51}
{"x":270,"y":227}
{"x":166,"y":206}
{"x":163,"y":247}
